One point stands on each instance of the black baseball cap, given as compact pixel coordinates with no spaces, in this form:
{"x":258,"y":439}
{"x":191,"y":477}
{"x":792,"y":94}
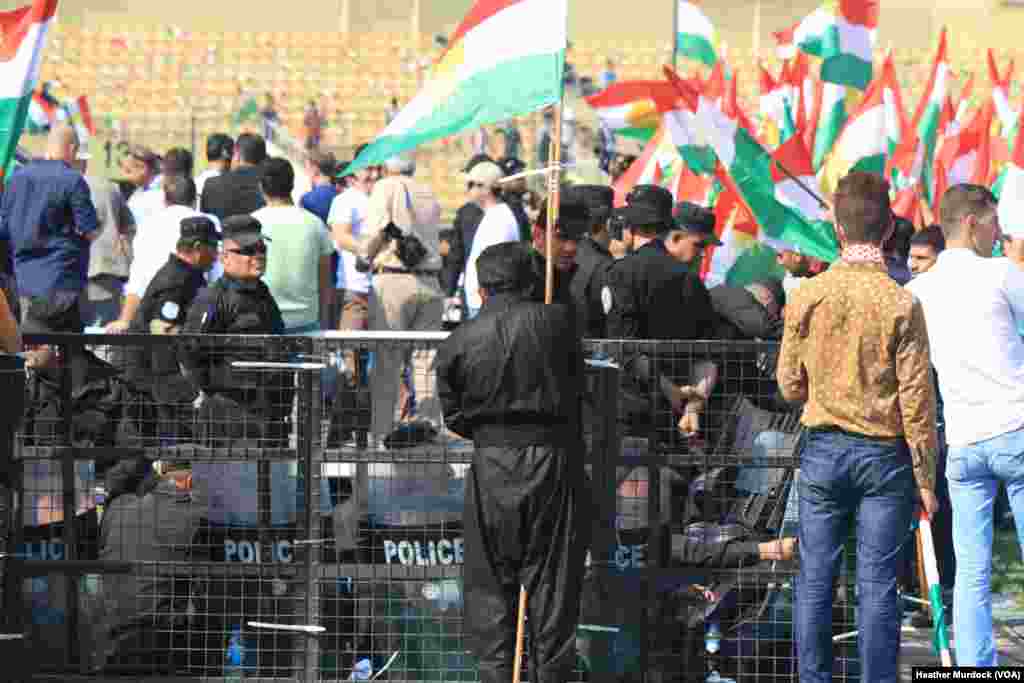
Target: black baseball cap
{"x":512,"y":165}
{"x":598,"y":199}
{"x":696,"y":220}
{"x":244,"y":229}
{"x":199,"y":229}
{"x":649,"y":205}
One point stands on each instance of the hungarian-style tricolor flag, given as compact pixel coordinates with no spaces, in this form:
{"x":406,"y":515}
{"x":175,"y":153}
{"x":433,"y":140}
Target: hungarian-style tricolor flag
{"x":695,"y":35}
{"x":964,"y":105}
{"x":747,"y":169}
{"x":24,"y":36}
{"x":873,"y":131}
{"x":1001,"y":93}
{"x":1010,"y":188}
{"x":629,"y":108}
{"x":81,"y":119}
{"x":914,"y":160}
{"x":505,"y":59}
{"x":833,"y":112}
{"x":842,"y":33}
{"x":661,"y":164}
{"x":965,"y":156}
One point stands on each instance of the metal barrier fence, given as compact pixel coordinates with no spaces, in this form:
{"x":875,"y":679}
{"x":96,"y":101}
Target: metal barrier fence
{"x":304,"y":523}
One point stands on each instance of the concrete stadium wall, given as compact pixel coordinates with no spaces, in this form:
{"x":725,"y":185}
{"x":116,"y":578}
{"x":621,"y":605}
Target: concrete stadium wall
{"x":905,"y":23}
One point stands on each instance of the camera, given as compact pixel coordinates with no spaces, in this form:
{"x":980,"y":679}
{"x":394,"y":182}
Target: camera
{"x":408,"y":248}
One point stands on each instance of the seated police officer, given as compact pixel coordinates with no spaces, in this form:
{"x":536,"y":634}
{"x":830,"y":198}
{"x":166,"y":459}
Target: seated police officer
{"x":654,"y":293}
{"x":162,"y":311}
{"x":592,"y":257}
{"x":236,"y":403}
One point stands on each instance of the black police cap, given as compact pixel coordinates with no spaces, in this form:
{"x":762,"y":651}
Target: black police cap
{"x":648,"y":205}
{"x":244,"y":229}
{"x":599,"y":199}
{"x":199,"y":229}
{"x":697,"y":220}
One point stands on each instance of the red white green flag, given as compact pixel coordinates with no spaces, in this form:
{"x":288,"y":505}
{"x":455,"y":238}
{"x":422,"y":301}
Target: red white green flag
{"x":506,"y":59}
{"x":842,"y":33}
{"x":748,"y":168}
{"x":21,"y":53}
{"x":629,"y":108}
{"x":696,"y":37}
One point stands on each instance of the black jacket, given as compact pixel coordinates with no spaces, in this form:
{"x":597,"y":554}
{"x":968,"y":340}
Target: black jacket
{"x":654,"y":296}
{"x":741,"y":316}
{"x":513,"y":376}
{"x":231,"y":306}
{"x":592,"y":264}
{"x":167,"y":300}
{"x":467,"y":220}
{"x":233,"y":193}
{"x":515,"y":203}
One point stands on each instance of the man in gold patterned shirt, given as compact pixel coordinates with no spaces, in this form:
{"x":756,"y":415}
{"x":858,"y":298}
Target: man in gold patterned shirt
{"x":855,"y":350}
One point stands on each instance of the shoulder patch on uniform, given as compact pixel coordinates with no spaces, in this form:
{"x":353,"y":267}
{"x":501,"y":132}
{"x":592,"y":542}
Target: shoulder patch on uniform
{"x":170,"y":310}
{"x":607,"y":300}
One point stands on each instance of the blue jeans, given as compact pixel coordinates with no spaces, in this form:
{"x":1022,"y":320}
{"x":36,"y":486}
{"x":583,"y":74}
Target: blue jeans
{"x":845,"y":477}
{"x":974,"y":473}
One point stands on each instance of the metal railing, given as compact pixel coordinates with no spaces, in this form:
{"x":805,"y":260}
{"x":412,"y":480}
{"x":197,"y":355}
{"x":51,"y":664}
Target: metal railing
{"x":320,"y":530}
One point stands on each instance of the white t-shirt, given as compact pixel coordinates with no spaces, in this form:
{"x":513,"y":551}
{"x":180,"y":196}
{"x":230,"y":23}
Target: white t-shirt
{"x":298,"y":240}
{"x":498,"y":225}
{"x":350,"y":207}
{"x":971,"y":307}
{"x":156,"y":239}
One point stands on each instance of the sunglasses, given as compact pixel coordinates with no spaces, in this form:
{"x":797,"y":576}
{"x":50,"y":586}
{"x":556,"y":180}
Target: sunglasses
{"x":470,"y":185}
{"x":250,"y":250}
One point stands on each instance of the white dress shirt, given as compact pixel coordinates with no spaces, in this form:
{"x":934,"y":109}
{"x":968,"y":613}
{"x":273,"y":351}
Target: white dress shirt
{"x":498,"y":225}
{"x":155,"y":241}
{"x":972,"y":306}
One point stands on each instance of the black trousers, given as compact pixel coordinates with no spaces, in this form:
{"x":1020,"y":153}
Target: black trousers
{"x":525,"y":524}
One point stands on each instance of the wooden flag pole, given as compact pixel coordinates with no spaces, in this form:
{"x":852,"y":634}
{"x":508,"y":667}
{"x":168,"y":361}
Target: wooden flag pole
{"x":554,"y":183}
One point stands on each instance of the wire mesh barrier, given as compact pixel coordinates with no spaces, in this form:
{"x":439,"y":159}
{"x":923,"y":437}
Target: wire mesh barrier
{"x":291,"y":508}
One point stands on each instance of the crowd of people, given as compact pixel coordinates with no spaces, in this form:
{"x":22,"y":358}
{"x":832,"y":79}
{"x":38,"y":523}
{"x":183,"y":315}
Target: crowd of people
{"x":231,"y":252}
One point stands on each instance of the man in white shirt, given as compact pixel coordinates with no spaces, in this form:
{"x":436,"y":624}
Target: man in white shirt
{"x":972,"y":303}
{"x":498,"y":225}
{"x":346,"y":219}
{"x":141,"y":167}
{"x":299,"y":263}
{"x":155,"y":240}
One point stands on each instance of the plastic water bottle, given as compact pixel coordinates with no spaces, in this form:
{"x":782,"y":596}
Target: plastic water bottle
{"x":234,"y":668}
{"x":713,"y":638}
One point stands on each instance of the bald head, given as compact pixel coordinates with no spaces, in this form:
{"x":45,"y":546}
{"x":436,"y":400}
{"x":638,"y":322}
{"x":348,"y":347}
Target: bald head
{"x":62,"y":143}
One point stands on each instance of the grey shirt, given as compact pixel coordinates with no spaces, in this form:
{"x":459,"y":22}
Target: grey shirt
{"x":110,"y":253}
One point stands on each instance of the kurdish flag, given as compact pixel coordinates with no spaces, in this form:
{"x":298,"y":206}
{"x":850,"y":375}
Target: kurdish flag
{"x":24,"y":36}
{"x":842,"y":33}
{"x":695,"y":35}
{"x":42,"y":113}
{"x":630,"y":108}
{"x":873,"y":131}
{"x":748,"y":170}
{"x":1001,"y":93}
{"x":506,"y":59}
{"x":1011,"y":186}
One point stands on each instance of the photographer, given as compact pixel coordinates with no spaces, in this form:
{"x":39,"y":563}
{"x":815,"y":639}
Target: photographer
{"x":399,"y":245}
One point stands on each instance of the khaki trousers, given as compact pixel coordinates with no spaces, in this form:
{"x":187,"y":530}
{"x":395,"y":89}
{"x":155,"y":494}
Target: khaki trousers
{"x":404,"y":302}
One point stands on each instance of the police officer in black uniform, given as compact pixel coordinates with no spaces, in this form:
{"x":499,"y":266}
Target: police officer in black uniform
{"x":238,"y":404}
{"x":511,"y":379}
{"x":654,"y":293}
{"x":572,"y":226}
{"x":592,"y":257}
{"x":162,"y":311}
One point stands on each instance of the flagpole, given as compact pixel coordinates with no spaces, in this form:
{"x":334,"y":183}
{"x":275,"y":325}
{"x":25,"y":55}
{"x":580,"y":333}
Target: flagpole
{"x":803,"y":186}
{"x":675,"y":33}
{"x":554,"y":182}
